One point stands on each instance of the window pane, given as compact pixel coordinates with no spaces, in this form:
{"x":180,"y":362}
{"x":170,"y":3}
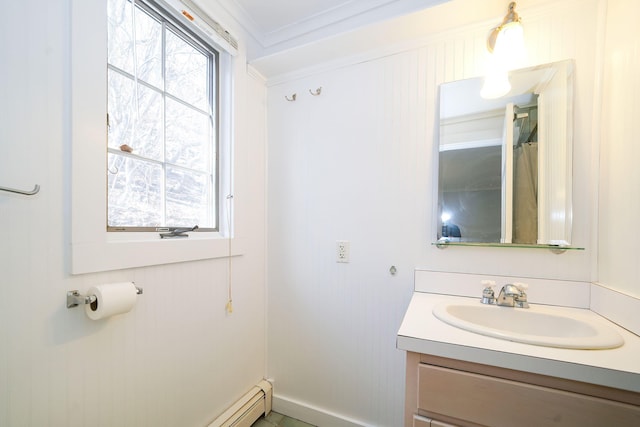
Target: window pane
{"x":188,"y":197}
{"x":121,"y":109}
{"x":149,"y":128}
{"x":139,"y":125}
{"x":161,"y":86}
{"x":135,"y":192}
{"x":188,"y":137}
{"x":148,"y":48}
{"x":186,"y":72}
{"x":120,"y":31}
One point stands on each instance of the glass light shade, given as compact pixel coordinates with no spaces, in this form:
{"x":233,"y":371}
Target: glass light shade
{"x":506,"y":44}
{"x":495,"y":86}
{"x":509,"y":51}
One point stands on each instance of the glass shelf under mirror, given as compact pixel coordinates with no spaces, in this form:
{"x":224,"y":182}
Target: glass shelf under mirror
{"x":553,"y":248}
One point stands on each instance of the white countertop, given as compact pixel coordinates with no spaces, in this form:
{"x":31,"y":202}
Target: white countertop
{"x":422,"y":332}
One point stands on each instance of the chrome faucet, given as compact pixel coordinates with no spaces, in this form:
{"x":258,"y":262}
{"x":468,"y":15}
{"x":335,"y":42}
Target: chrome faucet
{"x":513,"y":295}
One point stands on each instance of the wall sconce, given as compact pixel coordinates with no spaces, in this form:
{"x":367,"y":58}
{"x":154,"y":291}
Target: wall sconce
{"x":507,"y":52}
{"x":508,"y":36}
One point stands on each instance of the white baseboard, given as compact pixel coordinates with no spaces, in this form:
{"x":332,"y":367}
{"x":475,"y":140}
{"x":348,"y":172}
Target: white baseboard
{"x":618,"y":307}
{"x":311,"y":414}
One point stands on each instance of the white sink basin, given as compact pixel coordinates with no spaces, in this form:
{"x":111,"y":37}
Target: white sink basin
{"x":538,"y":325}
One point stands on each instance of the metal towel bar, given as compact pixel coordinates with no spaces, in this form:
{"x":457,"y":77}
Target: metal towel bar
{"x":25,"y":192}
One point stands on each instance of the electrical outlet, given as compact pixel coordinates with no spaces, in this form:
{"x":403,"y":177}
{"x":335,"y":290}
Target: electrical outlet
{"x":342,"y":251}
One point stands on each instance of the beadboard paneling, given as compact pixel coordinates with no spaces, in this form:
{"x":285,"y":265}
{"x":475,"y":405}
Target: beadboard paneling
{"x":619,"y":258}
{"x":356,"y":164}
{"x":177,"y":359}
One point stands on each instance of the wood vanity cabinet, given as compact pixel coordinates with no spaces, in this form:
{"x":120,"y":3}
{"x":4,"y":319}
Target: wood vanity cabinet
{"x":443,"y":392}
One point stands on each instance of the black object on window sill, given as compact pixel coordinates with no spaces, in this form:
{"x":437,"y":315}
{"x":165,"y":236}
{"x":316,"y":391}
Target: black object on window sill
{"x":178,"y":232}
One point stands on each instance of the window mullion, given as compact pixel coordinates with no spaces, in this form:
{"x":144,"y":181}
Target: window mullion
{"x":212,"y":91}
{"x":132,"y":77}
{"x":125,"y":154}
{"x":164,"y":123}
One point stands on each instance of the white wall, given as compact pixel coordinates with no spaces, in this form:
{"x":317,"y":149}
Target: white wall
{"x":619,"y":258}
{"x":340,"y":168}
{"x":356,"y":164}
{"x":353,"y":164}
{"x":177,"y":359}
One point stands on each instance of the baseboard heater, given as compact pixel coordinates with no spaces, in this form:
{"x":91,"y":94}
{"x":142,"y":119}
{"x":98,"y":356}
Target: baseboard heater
{"x":248,"y":408}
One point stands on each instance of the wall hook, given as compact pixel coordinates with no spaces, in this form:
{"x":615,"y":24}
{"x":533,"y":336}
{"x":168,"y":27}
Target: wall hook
{"x":293,"y":97}
{"x":317,"y":91}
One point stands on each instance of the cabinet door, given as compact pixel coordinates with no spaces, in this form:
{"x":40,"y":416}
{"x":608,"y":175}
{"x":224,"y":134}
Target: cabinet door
{"x":497,"y":402}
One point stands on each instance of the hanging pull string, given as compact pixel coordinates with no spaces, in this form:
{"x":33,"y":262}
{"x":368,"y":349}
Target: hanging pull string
{"x":229,"y":305}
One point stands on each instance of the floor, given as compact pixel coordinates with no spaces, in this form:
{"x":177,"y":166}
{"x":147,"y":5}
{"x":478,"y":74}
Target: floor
{"x":278,"y":420}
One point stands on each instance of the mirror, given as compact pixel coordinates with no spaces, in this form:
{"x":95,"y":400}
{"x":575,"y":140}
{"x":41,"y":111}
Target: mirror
{"x":505,"y":164}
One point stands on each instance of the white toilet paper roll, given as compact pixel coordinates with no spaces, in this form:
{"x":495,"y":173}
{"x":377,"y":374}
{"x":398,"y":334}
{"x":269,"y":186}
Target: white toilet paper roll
{"x":111,"y":299}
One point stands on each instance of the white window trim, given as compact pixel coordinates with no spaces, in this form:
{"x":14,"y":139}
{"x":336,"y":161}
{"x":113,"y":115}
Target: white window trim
{"x":92,"y":248}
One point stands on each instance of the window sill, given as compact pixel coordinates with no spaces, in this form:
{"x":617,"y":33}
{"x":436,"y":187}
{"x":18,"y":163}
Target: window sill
{"x":121,"y":254}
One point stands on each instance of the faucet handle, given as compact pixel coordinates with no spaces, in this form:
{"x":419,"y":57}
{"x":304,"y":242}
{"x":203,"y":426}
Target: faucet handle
{"x":521,"y":301}
{"x":488,"y":283}
{"x":521,"y":286}
{"x":488,"y":295}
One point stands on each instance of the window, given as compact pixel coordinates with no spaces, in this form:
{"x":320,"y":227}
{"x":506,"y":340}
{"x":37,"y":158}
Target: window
{"x":162,"y":122}
{"x":93,"y":248}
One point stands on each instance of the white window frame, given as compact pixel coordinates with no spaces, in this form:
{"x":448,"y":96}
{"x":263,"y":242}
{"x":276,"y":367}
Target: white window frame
{"x":94,"y":249}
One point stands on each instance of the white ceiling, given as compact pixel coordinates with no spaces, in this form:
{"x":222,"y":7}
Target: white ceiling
{"x":270,"y":16}
{"x":277,"y":25}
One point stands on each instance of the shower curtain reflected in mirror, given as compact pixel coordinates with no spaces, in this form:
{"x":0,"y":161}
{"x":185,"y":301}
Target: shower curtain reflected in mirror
{"x":525,"y":194}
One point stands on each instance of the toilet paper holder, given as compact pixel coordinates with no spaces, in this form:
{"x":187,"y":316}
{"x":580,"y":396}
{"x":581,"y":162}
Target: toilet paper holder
{"x":75,"y":298}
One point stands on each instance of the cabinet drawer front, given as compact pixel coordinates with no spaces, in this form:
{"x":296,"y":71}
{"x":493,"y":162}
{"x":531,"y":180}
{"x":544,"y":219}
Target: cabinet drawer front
{"x":419,"y":421}
{"x":497,"y":402}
